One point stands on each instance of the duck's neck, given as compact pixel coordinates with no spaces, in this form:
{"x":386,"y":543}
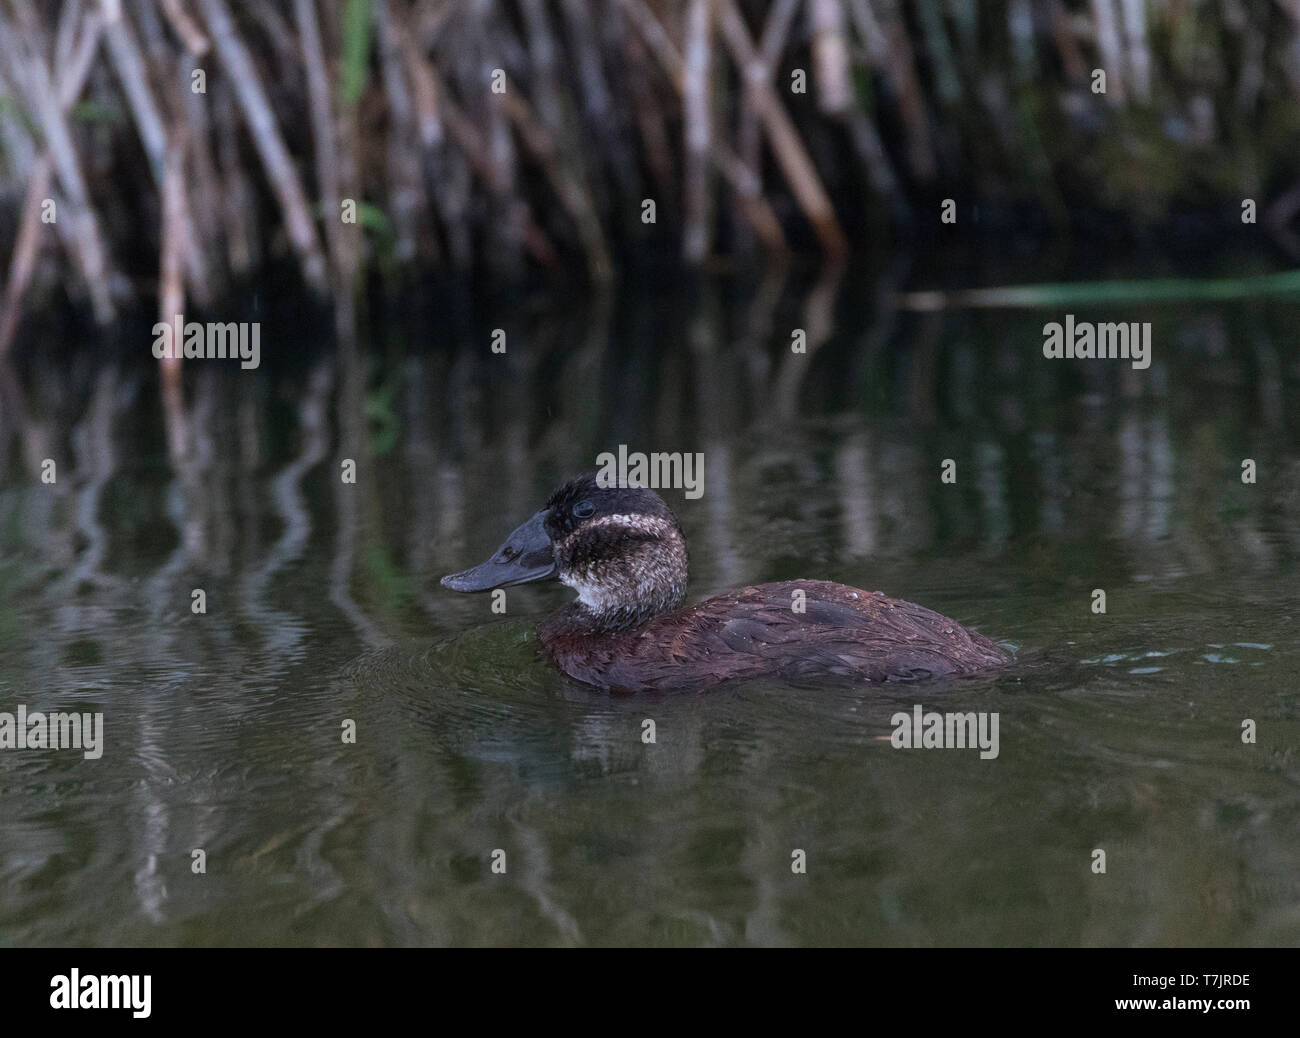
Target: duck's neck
{"x":622,"y":617}
{"x":608,"y":614}
{"x":618,"y":600}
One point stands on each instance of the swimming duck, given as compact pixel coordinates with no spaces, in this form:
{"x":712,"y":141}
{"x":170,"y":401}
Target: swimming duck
{"x":622,"y":550}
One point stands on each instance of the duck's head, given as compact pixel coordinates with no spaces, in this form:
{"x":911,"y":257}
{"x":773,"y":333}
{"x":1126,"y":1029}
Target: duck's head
{"x":620,"y":548}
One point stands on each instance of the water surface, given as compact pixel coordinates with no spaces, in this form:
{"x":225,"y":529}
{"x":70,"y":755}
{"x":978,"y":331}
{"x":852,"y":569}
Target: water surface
{"x":1120,"y":731}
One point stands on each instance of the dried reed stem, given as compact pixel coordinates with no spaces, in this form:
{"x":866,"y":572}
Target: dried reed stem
{"x":274,"y":153}
{"x":790,"y":153}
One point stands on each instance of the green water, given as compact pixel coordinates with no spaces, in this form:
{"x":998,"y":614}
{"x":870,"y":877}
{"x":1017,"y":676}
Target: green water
{"x":1119,"y":731}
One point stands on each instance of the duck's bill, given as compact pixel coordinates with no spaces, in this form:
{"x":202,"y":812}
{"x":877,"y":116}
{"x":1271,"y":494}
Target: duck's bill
{"x":526,"y":556}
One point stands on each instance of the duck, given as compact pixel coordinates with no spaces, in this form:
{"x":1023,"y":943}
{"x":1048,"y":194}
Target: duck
{"x":621,"y":548}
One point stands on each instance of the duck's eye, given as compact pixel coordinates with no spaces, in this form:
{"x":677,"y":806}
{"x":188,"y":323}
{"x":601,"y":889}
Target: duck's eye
{"x":584,"y":510}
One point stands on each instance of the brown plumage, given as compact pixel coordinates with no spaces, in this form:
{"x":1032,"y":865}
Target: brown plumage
{"x":752,"y":632}
{"x":622,"y":549}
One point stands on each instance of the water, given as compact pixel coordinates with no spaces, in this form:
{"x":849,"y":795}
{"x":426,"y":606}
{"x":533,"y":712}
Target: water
{"x":1120,"y":732}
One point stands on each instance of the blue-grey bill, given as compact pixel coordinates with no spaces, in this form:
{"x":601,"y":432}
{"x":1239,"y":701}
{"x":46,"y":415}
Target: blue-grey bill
{"x":526,"y":556}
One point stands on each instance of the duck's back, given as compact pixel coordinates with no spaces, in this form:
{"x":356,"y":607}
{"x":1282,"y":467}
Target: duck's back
{"x":769,"y":629}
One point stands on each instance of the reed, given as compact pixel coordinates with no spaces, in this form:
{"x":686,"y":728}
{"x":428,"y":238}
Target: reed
{"x":511,"y":136}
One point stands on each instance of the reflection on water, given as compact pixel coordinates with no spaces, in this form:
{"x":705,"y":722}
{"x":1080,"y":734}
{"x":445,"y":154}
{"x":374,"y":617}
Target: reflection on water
{"x":1119,"y":731}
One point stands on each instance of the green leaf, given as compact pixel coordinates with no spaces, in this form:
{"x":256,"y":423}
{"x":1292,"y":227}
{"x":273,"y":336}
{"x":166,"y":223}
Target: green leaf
{"x":356,"y":49}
